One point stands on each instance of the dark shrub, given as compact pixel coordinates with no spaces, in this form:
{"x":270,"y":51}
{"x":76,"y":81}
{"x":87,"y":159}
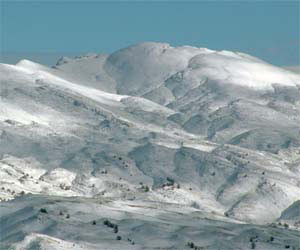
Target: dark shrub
{"x":76,"y":103}
{"x":43,"y":210}
{"x":146,"y":188}
{"x":170,"y":180}
{"x":191,"y":244}
{"x":119,"y":237}
{"x":109,"y":224}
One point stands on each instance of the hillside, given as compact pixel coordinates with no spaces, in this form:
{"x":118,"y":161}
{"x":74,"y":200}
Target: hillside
{"x":172,"y":144}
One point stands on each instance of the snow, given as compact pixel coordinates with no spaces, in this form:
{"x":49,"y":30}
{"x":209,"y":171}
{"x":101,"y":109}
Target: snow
{"x":173,"y":144}
{"x":232,"y":68}
{"x":46,"y":242}
{"x":203,"y":147}
{"x":141,"y":67}
{"x":13,"y":113}
{"x":295,"y":69}
{"x":40,"y":75}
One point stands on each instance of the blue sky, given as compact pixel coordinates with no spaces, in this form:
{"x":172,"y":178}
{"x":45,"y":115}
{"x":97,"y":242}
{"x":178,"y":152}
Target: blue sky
{"x":44,"y":30}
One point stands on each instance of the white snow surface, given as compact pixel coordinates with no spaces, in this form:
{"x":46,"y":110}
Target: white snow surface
{"x":172,"y":144}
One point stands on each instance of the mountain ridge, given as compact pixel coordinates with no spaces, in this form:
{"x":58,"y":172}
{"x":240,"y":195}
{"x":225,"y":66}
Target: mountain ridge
{"x":198,"y":131}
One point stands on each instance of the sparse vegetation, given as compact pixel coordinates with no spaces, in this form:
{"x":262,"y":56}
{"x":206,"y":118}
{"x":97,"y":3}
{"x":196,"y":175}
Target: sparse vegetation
{"x":116,"y":228}
{"x":43,"y":210}
{"x":131,"y":241}
{"x":76,"y":103}
{"x":170,"y":181}
{"x":146,"y":188}
{"x":64,"y":186}
{"x":143,"y":187}
{"x":191,"y":244}
{"x":228,"y":157}
{"x":107,"y":223}
{"x":103,"y":171}
{"x":111,"y":225}
{"x":297,"y":224}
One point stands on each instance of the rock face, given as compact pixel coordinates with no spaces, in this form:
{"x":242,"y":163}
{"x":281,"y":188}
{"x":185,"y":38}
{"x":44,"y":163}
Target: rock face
{"x":201,"y":140}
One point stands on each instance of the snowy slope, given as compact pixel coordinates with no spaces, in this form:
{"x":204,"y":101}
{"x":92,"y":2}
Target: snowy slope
{"x":295,"y":69}
{"x":173,"y":144}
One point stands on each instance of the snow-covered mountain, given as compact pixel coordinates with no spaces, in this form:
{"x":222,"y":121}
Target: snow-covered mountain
{"x":166,"y":147}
